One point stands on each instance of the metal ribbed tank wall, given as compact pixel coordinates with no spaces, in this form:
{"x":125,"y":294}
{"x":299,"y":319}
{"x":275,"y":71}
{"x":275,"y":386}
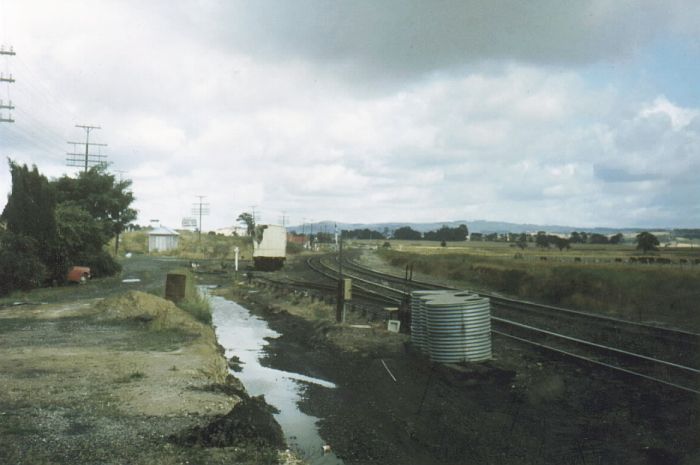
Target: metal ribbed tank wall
{"x":419,"y":327}
{"x":453,"y":326}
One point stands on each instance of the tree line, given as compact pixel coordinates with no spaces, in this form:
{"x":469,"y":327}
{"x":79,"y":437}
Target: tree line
{"x":47,"y":226}
{"x":445,"y":233}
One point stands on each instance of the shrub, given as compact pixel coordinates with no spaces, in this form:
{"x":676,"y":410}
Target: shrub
{"x":20,"y":266}
{"x":293,"y":248}
{"x":101,"y":264}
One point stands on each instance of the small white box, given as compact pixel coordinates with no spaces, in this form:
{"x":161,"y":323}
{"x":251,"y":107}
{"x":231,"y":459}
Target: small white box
{"x":393,"y":326}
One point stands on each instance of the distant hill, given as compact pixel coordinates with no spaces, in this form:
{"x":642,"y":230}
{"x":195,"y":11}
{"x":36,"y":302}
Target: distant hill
{"x":478,"y":226}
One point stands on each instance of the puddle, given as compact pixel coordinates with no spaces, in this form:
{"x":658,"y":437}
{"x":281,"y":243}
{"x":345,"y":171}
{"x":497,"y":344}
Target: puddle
{"x":243,"y":335}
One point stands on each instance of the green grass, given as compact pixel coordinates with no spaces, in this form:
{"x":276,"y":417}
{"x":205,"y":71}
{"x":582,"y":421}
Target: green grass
{"x":150,"y":270}
{"x":664,"y":293}
{"x":190,"y":246}
{"x":587,"y":252}
{"x":195,"y":303}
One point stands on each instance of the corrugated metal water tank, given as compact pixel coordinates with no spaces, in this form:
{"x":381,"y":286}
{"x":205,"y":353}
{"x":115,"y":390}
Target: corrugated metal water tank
{"x":453,"y":326}
{"x":419,"y":324}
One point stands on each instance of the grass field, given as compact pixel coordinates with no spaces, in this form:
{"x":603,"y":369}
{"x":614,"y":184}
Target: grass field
{"x":661,"y":293}
{"x":590,"y":253}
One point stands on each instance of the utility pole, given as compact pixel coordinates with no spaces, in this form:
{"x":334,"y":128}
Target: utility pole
{"x":335,"y":234}
{"x":340,"y":304}
{"x":87,"y":159}
{"x":9,"y":80}
{"x":199,"y":209}
{"x":284,"y":219}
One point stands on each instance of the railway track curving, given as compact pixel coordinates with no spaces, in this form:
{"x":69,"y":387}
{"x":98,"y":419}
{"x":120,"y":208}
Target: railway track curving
{"x":662,"y":355}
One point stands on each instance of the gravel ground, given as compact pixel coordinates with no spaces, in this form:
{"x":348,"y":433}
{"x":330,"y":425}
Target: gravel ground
{"x":521,"y":408}
{"x":92,"y":380}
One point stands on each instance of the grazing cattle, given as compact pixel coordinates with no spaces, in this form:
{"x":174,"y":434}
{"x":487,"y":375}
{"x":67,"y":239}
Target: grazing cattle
{"x":577,"y":259}
{"x":543,"y":258}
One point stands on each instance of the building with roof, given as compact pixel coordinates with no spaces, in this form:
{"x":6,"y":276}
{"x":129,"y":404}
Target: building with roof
{"x":162,"y":239}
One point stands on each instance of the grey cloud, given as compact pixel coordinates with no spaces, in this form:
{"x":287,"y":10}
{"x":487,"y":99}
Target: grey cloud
{"x":643,"y":134}
{"x":404,"y":38}
{"x":616,"y":174}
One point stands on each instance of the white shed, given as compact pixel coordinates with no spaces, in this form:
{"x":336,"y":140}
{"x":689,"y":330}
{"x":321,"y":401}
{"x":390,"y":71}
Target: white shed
{"x":161,"y":239}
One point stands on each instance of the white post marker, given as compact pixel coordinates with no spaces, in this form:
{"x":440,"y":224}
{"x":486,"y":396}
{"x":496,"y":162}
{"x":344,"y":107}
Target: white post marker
{"x":236,"y":250}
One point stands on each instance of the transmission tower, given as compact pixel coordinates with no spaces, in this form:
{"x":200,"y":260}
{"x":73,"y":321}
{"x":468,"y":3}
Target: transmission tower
{"x":199,"y":209}
{"x":9,"y":80}
{"x":87,"y":159}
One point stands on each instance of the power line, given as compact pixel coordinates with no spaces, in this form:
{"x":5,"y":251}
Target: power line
{"x":9,"y":80}
{"x":87,"y":159}
{"x":252,"y":212}
{"x":24,"y":137}
{"x":199,"y":209}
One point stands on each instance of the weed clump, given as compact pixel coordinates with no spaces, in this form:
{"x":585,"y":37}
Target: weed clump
{"x":154,"y":313}
{"x":195,"y":303}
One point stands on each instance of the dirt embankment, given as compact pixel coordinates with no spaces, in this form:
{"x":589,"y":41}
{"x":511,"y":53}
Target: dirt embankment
{"x":394,"y":407}
{"x":129,"y":379}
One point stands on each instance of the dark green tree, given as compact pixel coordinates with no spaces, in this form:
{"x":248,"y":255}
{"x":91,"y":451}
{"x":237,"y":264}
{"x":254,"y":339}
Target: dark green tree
{"x":407,"y":233}
{"x":596,"y":238}
{"x":616,"y":238}
{"x":647,"y":242}
{"x":20,"y":266}
{"x":576,"y":238}
{"x":79,"y":234}
{"x":248,"y":220}
{"x":107,"y":200}
{"x":445,"y":233}
{"x":29,"y":216}
{"x":558,"y":242}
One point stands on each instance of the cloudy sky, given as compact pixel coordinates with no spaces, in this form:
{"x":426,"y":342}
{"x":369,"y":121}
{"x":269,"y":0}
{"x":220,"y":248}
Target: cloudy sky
{"x":585,"y":113}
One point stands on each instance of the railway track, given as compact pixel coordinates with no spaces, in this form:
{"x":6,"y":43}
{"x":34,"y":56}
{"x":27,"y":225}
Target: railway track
{"x":662,"y":355}
{"x":679,"y":346}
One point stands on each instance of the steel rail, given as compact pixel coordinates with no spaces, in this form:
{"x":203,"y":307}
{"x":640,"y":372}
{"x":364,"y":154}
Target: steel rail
{"x":688,"y":370}
{"x":691,"y":337}
{"x":355,"y":277}
{"x":597,"y":362}
{"x":596,"y":346}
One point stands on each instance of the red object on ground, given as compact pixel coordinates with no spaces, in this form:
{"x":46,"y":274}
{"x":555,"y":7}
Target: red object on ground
{"x":78,"y":274}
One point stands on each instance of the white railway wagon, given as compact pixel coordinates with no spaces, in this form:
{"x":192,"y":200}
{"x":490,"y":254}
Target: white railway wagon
{"x":269,"y":246}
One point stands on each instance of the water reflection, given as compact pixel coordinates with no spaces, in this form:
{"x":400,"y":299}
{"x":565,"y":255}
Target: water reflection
{"x":243,"y":335}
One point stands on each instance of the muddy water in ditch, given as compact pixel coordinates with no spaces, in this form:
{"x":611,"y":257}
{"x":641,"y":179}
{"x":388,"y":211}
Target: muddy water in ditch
{"x":243,"y":335}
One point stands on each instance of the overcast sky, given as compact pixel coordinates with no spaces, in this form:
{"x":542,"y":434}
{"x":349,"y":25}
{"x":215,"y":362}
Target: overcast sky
{"x":585,"y":113}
